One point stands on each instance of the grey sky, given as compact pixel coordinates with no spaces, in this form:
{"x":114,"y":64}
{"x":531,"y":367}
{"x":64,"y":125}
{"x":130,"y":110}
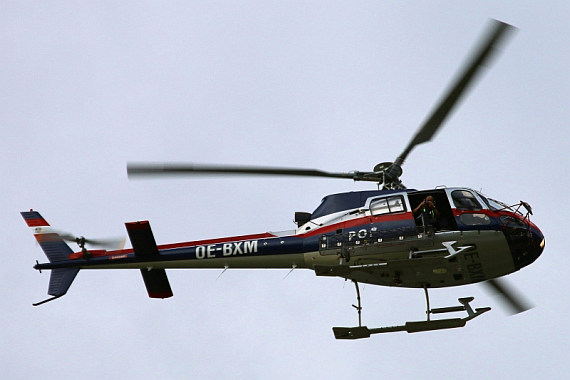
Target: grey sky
{"x":339,"y":86}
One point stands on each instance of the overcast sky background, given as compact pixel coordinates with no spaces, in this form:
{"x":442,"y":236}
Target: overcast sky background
{"x":339,"y":86}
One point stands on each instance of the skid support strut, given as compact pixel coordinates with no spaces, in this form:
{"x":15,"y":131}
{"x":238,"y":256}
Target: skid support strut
{"x":358,"y":305}
{"x":428,"y":312}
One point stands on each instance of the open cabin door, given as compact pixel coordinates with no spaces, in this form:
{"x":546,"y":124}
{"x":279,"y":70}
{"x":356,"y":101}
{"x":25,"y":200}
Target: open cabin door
{"x":446,"y":220}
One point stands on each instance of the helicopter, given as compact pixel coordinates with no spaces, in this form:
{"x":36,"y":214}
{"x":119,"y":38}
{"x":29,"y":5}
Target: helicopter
{"x":392,"y":236}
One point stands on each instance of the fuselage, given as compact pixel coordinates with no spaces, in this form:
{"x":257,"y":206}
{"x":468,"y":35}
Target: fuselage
{"x":368,"y":236}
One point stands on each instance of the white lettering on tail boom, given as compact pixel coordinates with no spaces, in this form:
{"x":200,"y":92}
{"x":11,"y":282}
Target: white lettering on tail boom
{"x":212,"y":251}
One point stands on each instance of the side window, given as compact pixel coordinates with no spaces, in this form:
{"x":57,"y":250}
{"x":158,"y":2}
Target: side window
{"x":388,"y":205}
{"x":464,"y":200}
{"x":379,"y":206}
{"x":396,"y":204}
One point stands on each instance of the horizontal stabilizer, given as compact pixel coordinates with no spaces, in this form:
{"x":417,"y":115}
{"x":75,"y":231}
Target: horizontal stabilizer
{"x":144,"y":245}
{"x":156,"y":283}
{"x":142,"y":239}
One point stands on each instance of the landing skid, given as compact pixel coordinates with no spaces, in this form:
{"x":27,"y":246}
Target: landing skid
{"x":414,"y":326}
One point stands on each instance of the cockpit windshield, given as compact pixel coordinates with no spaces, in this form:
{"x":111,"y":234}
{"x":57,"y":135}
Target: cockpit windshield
{"x":496,"y":205}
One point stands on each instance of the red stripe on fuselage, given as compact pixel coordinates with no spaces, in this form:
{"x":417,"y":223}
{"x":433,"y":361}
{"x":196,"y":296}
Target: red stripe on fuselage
{"x":215,"y":241}
{"x":333,"y":227}
{"x":194,"y":243}
{"x":359,"y":222}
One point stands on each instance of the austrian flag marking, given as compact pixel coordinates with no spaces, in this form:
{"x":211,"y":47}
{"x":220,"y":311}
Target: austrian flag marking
{"x":34,"y":219}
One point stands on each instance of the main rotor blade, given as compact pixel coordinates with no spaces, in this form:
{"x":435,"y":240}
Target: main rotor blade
{"x":488,"y":46}
{"x":516,"y":303}
{"x":169,"y":169}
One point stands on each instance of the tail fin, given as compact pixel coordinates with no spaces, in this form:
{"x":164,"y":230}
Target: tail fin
{"x":56,"y":250}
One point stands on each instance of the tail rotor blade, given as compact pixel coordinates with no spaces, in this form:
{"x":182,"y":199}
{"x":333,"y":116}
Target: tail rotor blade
{"x":110,"y":243}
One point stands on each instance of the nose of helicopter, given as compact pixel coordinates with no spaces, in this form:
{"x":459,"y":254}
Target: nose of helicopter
{"x":528,"y":247}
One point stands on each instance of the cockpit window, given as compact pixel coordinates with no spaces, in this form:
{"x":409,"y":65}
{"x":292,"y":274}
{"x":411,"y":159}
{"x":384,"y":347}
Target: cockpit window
{"x":465,"y":200}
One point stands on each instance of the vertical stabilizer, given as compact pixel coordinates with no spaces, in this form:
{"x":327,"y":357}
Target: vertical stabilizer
{"x":56,"y":250}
